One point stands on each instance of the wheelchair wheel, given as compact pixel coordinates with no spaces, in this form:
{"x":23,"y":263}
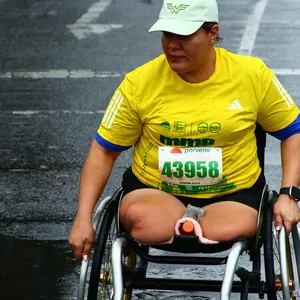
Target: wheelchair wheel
{"x":101,"y":281}
{"x":276,"y":280}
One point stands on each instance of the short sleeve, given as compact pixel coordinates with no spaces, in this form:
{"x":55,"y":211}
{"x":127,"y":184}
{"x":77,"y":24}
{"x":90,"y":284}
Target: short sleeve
{"x":277,"y":109}
{"x":121,"y":124}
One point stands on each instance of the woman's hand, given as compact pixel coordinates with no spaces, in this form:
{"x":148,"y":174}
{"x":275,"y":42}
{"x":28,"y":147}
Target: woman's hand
{"x":286,"y":212}
{"x":81,"y":238}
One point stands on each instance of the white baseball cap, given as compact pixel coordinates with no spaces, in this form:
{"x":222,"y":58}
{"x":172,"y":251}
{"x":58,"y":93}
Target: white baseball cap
{"x":184,"y":17}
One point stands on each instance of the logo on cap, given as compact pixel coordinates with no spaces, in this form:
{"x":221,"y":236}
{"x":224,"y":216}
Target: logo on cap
{"x":174,"y":9}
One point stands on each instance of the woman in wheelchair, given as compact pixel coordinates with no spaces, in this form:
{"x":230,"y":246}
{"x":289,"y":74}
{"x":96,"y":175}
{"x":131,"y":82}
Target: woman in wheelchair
{"x":190,"y":115}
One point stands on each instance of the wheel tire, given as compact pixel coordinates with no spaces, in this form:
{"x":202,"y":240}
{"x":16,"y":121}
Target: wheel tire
{"x":272,"y":258}
{"x":105,"y":235}
{"x":268,"y":252}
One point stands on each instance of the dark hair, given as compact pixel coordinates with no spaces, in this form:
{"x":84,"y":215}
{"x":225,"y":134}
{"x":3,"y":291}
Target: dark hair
{"x":207,"y":26}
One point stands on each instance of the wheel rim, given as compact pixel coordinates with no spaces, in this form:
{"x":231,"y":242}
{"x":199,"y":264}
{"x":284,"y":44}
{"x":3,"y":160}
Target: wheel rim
{"x":99,"y":286}
{"x":274,"y":279}
{"x":105,"y":288}
{"x":106,"y":279}
{"x":277,"y":270}
{"x":101,"y":278}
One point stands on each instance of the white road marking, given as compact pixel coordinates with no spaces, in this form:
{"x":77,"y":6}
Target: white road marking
{"x":84,"y":27}
{"x":61,"y":74}
{"x":251,"y":30}
{"x":287,"y":72}
{"x":50,"y":112}
{"x":81,"y":74}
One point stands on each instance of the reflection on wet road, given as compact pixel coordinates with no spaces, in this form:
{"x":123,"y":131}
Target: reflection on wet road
{"x":36,"y":270}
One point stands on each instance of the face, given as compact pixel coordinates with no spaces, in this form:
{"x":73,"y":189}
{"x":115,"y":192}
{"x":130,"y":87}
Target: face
{"x":187,"y":54}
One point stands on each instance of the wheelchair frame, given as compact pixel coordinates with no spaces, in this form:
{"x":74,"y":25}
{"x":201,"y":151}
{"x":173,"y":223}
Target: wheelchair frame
{"x":124,"y":279}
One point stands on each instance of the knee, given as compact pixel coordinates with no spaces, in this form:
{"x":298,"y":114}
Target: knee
{"x":132,"y":215}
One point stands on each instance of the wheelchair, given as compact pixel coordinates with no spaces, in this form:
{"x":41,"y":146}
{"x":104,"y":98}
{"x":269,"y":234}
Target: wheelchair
{"x":117,"y":265}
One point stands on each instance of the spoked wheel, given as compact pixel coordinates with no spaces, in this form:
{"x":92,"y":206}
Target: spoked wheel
{"x":101,"y":279}
{"x":280,"y":279}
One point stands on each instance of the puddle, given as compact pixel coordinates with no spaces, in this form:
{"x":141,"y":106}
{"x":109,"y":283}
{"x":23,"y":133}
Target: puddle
{"x":37,"y":270}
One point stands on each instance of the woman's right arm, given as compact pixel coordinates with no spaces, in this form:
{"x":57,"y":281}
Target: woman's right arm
{"x":94,"y":176}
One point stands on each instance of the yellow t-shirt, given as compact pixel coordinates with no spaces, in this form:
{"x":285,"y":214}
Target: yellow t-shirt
{"x":154,"y":106}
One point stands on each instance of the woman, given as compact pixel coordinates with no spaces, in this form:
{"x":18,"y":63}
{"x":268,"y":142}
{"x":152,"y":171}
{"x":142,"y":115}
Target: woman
{"x":190,"y":115}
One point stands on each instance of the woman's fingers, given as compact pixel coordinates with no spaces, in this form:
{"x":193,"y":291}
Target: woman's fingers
{"x":288,"y":227}
{"x":286,"y":212}
{"x":278,"y":221}
{"x":81,"y":239}
{"x":87,"y":248}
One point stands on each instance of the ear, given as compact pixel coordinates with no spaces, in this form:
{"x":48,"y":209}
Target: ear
{"x":214,"y":32}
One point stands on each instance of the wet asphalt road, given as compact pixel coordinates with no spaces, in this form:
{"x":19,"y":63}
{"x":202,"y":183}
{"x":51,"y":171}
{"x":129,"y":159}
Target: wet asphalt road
{"x":54,"y":86}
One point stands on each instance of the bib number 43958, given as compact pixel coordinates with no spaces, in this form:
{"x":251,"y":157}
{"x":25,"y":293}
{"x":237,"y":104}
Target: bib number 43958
{"x":199,"y":166}
{"x":191,"y":169}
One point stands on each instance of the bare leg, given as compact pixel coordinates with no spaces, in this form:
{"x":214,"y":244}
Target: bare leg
{"x":228,"y":220}
{"x":150,"y":215}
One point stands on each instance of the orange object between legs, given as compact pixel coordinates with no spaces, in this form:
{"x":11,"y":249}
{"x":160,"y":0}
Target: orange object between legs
{"x":187,"y":228}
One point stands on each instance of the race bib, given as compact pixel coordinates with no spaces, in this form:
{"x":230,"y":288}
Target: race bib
{"x":197,"y":166}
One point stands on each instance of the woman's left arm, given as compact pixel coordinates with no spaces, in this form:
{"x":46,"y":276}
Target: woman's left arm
{"x":286,"y":210}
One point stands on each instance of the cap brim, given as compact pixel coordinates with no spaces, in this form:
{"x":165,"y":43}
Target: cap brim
{"x":176,"y":26}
